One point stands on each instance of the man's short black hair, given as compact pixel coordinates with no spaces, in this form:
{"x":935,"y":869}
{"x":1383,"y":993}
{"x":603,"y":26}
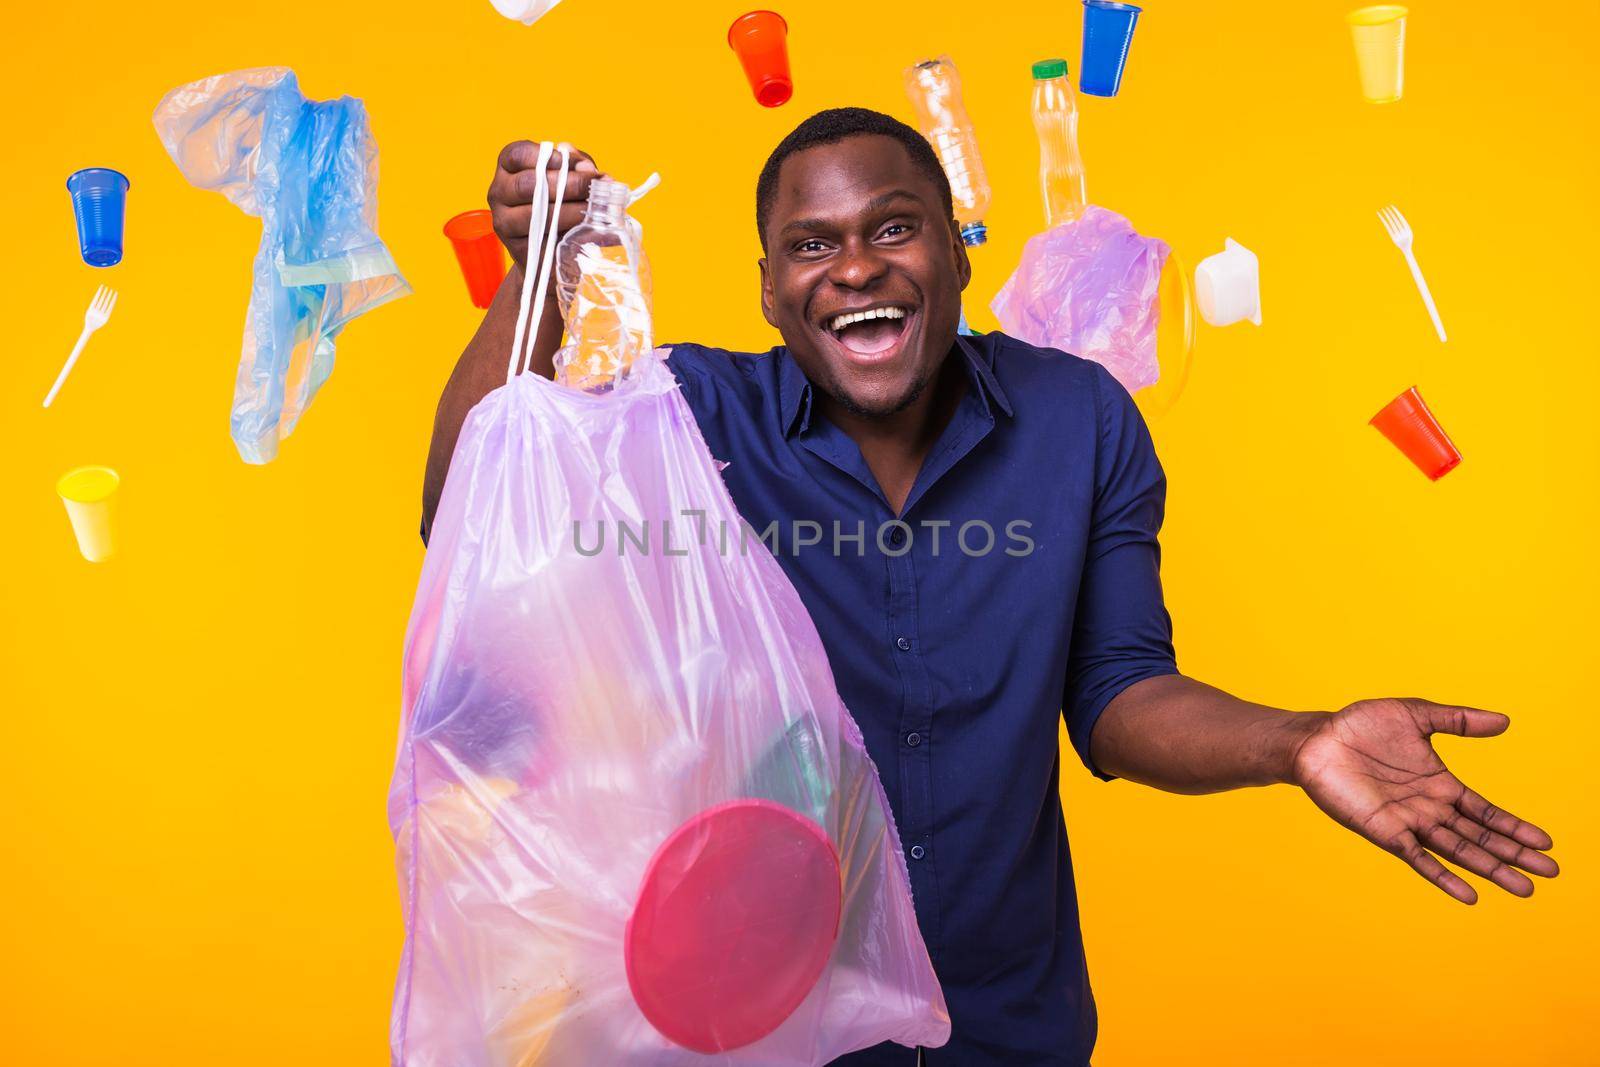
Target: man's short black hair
{"x":833,"y":126}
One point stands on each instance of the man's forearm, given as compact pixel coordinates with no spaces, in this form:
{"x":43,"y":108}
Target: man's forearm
{"x":481,"y":370}
{"x":1184,"y":736}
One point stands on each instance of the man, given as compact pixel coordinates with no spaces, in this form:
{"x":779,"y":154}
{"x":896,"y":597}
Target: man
{"x":955,"y":650}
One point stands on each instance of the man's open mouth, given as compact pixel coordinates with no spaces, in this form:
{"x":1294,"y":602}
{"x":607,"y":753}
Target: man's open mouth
{"x":871,"y":333}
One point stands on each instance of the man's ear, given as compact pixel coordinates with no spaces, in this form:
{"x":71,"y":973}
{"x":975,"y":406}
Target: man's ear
{"x":766,"y":292}
{"x":963,"y":264}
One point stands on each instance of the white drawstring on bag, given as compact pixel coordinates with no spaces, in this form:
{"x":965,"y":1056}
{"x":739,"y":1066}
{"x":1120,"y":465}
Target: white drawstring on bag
{"x":541,"y":250}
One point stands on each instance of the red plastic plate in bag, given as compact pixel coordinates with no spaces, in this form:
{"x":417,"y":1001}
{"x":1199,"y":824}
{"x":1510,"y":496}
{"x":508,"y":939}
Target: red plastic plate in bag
{"x":736,"y":918}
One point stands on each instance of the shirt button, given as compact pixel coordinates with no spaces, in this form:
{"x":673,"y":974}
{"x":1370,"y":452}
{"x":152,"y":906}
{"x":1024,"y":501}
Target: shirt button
{"x":897,"y":536}
{"x":917,"y":852}
{"x":913,"y":739}
{"x":903,"y":644}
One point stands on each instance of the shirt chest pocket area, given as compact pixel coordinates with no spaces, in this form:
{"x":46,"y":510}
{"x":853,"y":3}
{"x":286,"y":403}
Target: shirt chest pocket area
{"x":997,"y":628}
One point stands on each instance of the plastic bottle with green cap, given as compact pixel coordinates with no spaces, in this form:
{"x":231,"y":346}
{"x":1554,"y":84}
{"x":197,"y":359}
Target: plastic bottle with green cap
{"x":1055,"y":120}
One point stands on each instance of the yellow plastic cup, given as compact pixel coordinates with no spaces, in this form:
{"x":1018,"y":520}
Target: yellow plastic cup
{"x":90,"y":494}
{"x":1380,"y":39}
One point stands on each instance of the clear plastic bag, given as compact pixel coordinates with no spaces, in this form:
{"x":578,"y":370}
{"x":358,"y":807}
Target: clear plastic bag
{"x":635,"y":824}
{"x":309,"y":170}
{"x":1089,"y":287}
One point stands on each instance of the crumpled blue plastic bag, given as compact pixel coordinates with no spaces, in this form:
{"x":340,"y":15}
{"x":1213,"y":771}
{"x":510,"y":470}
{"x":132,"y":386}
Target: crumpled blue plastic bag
{"x":309,"y":170}
{"x":1089,"y":287}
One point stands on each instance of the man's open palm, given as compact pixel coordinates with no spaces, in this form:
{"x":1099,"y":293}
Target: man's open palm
{"x":1373,"y":769}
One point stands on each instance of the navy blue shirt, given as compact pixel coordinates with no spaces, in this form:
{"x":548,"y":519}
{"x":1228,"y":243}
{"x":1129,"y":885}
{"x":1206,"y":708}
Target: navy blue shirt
{"x":1020,"y":582}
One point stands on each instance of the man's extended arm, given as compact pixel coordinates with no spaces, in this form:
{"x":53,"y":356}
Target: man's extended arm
{"x":1184,"y":736}
{"x":1370,"y":766}
{"x":482,"y":367}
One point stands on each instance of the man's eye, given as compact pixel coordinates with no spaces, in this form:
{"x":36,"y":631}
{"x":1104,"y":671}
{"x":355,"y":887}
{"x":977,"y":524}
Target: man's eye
{"x":811,"y":245}
{"x":895,"y":229}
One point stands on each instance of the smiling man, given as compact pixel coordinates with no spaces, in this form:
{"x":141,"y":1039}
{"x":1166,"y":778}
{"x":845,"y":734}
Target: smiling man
{"x":990,"y":564}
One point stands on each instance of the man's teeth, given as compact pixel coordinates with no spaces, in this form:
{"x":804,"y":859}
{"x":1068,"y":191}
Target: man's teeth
{"x":839,"y":322}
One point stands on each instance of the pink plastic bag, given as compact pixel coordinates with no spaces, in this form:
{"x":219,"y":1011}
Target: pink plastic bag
{"x":1089,"y":288}
{"x":635,"y":824}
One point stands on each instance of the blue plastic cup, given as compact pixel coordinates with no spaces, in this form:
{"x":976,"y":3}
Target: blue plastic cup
{"x":99,"y":196}
{"x":1107,"y":36}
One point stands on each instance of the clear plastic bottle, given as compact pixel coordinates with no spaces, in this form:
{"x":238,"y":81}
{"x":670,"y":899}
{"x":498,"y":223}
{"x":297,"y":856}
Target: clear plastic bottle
{"x":1055,"y":120}
{"x":603,"y":287}
{"x":934,"y":86}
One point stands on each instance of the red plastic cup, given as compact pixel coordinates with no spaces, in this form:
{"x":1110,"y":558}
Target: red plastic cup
{"x":1408,"y":423}
{"x":479,"y":252}
{"x":762,"y":40}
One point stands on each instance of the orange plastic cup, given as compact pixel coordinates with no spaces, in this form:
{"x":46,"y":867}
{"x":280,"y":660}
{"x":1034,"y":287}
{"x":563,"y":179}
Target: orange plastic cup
{"x":1408,"y":423}
{"x":479,"y":252}
{"x":762,"y":40}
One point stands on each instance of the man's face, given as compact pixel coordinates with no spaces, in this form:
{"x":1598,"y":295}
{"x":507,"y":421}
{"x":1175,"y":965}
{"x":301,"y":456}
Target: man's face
{"x":856,"y":227}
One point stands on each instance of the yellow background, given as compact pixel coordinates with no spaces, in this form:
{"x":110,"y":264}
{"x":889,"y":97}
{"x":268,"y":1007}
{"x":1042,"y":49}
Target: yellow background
{"x":195,"y":867}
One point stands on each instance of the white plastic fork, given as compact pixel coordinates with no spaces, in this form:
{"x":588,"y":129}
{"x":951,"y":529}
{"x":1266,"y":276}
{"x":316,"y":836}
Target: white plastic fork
{"x":98,"y":314}
{"x":1400,"y":233}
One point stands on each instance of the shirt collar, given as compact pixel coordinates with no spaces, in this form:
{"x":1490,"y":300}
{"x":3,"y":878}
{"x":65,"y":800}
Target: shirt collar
{"x":795,"y":390}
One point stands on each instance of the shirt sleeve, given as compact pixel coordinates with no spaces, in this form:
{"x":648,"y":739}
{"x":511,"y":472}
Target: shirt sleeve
{"x":1121,"y":632}
{"x":691,"y":364}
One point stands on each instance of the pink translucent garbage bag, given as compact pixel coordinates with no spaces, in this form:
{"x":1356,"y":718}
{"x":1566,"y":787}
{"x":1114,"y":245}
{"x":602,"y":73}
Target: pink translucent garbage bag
{"x":1089,"y":287}
{"x":635,"y":824}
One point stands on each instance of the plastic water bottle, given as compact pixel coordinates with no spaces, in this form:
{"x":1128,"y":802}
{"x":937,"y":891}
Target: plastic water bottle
{"x":603,"y":288}
{"x":1055,"y":120}
{"x":934,"y":86}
